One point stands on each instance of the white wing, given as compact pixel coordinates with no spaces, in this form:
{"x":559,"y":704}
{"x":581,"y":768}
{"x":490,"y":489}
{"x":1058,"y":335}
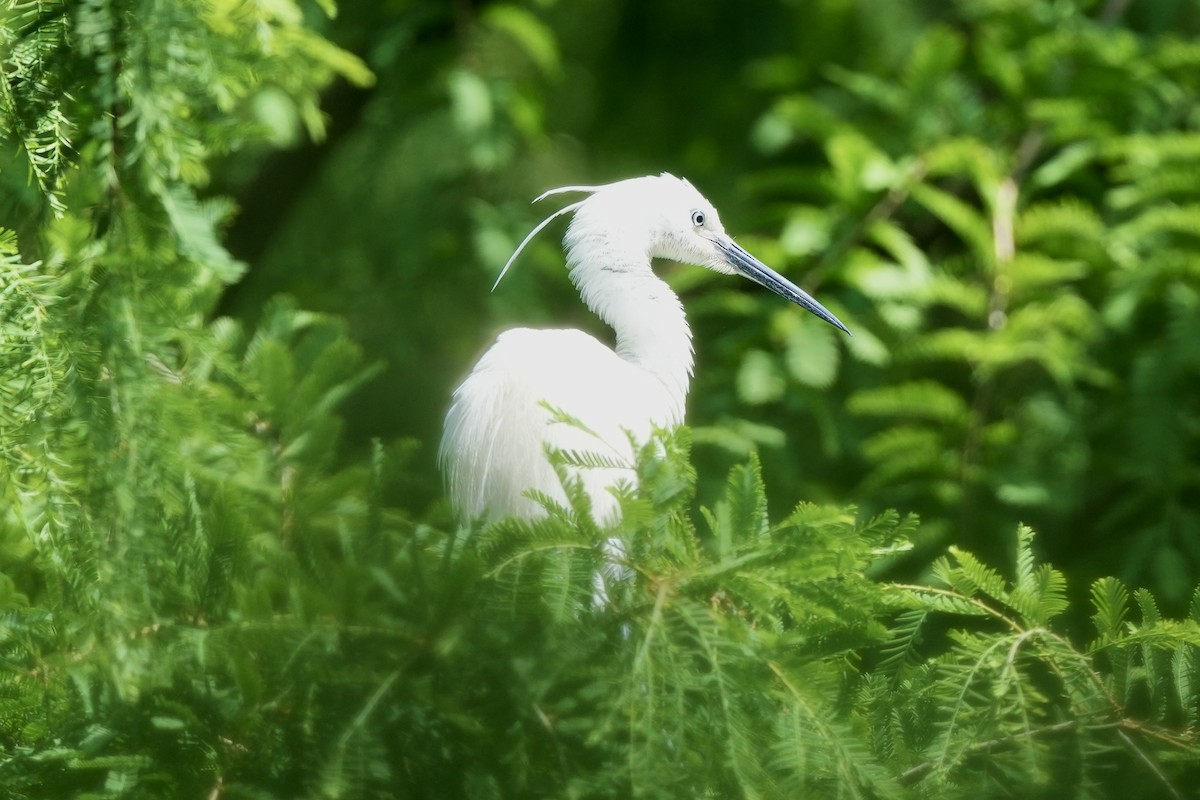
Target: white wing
{"x":493,"y":449}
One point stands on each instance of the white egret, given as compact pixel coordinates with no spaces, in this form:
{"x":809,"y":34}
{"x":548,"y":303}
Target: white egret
{"x":494,"y":447}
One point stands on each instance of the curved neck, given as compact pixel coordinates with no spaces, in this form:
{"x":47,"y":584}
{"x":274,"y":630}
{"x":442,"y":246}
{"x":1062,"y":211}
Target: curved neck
{"x":646,"y":315}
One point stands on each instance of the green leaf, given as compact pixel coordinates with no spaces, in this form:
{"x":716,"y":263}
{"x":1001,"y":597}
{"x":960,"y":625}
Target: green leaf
{"x":811,"y":353}
{"x":924,"y":400}
{"x":759,"y":379}
{"x":935,"y":58}
{"x":960,"y":217}
{"x":472,"y":101}
{"x":746,"y":500}
{"x":972,"y":577}
{"x":534,"y":37}
{"x":859,"y":165}
{"x":902,"y":650}
{"x":1065,"y":163}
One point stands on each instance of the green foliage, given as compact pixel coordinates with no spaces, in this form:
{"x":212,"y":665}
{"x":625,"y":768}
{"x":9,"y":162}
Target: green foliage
{"x":206,"y":592}
{"x":998,"y":195}
{"x":1008,"y":228}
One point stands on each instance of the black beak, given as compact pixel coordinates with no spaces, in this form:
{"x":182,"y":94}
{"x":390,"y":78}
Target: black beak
{"x":747,"y":265}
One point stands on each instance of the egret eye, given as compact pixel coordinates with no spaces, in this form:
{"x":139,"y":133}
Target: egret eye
{"x":698,"y":219}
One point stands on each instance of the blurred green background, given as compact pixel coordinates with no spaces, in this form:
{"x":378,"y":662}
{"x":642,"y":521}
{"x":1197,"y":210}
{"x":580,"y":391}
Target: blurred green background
{"x":227,"y":567}
{"x":999,"y":197}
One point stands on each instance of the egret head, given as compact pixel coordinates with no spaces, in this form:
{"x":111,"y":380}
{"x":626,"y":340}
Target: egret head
{"x":661,"y":216}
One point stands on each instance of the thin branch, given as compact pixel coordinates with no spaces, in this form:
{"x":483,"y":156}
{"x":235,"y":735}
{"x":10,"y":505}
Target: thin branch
{"x":1145,"y":759}
{"x":831,"y":736}
{"x":1004,"y":250}
{"x":529,"y":551}
{"x":360,"y":719}
{"x":991,"y":612}
{"x":916,"y":773}
{"x":656,"y":616}
{"x":1164,"y":736}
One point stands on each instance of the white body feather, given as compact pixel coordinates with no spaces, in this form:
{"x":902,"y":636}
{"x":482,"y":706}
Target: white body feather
{"x":497,"y":429}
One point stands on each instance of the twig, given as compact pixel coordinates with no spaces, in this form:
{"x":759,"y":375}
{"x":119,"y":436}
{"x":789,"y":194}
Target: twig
{"x":914,"y":774}
{"x":1145,"y":759}
{"x":1004,"y":249}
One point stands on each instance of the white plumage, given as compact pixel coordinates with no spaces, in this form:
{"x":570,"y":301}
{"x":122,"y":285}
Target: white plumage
{"x":498,"y":426}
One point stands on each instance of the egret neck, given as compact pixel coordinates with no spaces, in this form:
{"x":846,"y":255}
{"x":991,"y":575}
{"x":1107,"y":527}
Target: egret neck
{"x":619,"y":286}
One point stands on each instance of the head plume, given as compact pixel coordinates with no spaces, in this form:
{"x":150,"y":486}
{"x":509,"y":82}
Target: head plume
{"x":590,"y":190}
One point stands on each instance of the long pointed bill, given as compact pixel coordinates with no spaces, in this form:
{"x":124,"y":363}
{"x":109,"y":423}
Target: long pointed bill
{"x":747,"y":265}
